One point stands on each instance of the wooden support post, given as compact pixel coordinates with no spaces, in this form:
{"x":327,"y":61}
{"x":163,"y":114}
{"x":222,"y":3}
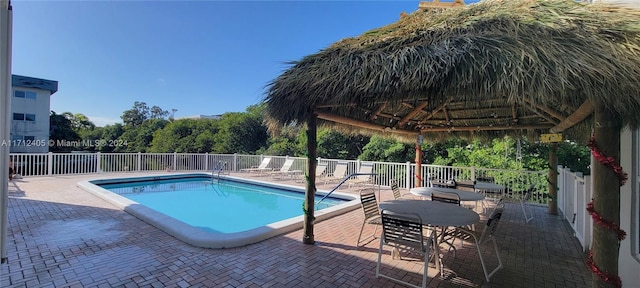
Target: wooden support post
{"x":418,"y":160}
{"x":553,"y":179}
{"x":310,"y":192}
{"x":606,"y":195}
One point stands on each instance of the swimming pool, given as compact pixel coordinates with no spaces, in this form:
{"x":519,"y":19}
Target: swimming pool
{"x":186,"y":214}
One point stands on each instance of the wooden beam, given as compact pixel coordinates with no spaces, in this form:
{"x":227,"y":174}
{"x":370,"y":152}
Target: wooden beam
{"x":576,"y":117}
{"x":547,"y":110}
{"x":363,"y":124}
{"x":378,"y":111}
{"x":413,"y":112}
{"x":436,"y":110}
{"x":484,"y":128}
{"x":446,"y":114}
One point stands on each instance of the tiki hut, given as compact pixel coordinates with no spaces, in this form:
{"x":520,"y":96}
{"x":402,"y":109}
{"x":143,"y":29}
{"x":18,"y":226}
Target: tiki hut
{"x":521,"y":67}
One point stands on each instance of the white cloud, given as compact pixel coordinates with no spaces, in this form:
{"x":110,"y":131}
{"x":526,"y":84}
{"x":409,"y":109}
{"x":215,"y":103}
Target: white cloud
{"x":103,"y":121}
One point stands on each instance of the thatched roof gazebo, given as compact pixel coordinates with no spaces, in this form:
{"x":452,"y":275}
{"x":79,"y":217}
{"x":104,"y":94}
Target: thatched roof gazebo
{"x":487,"y":69}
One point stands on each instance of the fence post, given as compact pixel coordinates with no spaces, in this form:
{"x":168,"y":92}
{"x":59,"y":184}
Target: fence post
{"x":206,"y":161}
{"x":175,"y":161}
{"x":50,"y":163}
{"x":235,"y":162}
{"x":139,"y":161}
{"x":98,"y":155}
{"x":473,"y":173}
{"x":408,"y":176}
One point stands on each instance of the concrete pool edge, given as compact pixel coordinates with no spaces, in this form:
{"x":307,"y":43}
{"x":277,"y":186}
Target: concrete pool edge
{"x":209,"y":239}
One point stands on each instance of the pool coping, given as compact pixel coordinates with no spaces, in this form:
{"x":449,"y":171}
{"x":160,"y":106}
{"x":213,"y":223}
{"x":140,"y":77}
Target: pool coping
{"x":211,"y":239}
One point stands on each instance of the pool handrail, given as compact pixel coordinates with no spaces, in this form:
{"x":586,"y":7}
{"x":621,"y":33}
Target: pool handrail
{"x":343,"y":181}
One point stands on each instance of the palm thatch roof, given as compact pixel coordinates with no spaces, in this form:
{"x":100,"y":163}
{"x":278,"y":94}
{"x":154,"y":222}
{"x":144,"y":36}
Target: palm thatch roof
{"x":512,"y":66}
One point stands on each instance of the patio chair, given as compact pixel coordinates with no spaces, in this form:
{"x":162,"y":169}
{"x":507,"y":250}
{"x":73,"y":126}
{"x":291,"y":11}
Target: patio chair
{"x":396,"y":190}
{"x":451,"y":198}
{"x":488,"y":179}
{"x":363,"y":179}
{"x":284,"y":170}
{"x":369,"y":205}
{"x":321,"y":168}
{"x":487,"y":234}
{"x":404,"y":231}
{"x":442,"y":183}
{"x":338,"y":173}
{"x":263,"y":167}
{"x":523,"y":202}
{"x":465,"y":185}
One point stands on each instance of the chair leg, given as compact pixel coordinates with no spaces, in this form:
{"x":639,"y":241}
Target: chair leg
{"x":488,"y":275}
{"x":360,"y":235}
{"x":529,"y":217}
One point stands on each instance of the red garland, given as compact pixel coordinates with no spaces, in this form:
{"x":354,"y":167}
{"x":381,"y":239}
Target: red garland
{"x":604,"y":223}
{"x":606,"y":277}
{"x":607,"y":161}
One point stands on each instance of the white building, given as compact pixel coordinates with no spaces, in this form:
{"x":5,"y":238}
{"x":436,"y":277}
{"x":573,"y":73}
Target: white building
{"x":201,"y":117}
{"x":30,"y":110}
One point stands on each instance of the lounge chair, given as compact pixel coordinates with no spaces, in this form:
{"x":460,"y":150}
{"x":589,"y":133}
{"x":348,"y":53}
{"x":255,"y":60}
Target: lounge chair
{"x":263,"y":167}
{"x":285,"y":170}
{"x":365,"y":168}
{"x":338,"y":174}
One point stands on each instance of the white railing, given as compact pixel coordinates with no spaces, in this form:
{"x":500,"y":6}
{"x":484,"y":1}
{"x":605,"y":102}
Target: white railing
{"x":87,"y":163}
{"x":574,"y":192}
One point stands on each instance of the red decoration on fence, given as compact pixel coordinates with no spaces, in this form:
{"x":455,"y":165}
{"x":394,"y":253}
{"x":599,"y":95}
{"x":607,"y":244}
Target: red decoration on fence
{"x":607,"y":161}
{"x":606,"y":277}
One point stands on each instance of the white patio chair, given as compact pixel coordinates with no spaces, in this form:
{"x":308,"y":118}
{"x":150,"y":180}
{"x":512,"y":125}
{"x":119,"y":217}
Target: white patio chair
{"x":488,"y":234}
{"x":365,"y":168}
{"x":264,"y":166}
{"x":285,"y":170}
{"x":523,"y":203}
{"x":369,"y":205}
{"x":404,"y":232}
{"x":338,"y":173}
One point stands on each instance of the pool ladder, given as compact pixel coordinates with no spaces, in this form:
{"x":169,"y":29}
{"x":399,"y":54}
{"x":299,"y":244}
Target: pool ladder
{"x":342,"y":182}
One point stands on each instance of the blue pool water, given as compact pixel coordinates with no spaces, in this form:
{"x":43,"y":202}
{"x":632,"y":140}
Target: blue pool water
{"x":223,"y":206}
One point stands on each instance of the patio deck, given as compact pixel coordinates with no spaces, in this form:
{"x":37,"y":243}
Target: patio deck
{"x":62,"y":236}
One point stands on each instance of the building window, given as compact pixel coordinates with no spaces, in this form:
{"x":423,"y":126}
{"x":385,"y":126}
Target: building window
{"x":24,"y":94}
{"x":24,"y":117}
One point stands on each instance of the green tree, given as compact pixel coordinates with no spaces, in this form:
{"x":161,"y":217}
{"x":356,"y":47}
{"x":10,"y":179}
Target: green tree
{"x":136,"y":115}
{"x":185,"y":136}
{"x":61,"y":128}
{"x":241,"y":133}
{"x":386,"y":149}
{"x":139,"y":138}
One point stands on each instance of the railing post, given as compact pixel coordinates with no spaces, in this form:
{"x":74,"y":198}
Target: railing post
{"x":206,"y":161}
{"x":408,"y":176}
{"x":139,"y":161}
{"x":235,"y":162}
{"x":175,"y":161}
{"x":98,"y":155}
{"x":473,"y":173}
{"x":50,"y":163}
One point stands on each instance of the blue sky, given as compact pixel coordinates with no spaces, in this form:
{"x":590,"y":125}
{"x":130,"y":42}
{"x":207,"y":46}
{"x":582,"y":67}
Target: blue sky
{"x":199,"y":57}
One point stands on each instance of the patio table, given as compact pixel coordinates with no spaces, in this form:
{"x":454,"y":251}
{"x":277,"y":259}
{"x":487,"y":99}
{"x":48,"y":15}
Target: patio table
{"x":489,"y":186}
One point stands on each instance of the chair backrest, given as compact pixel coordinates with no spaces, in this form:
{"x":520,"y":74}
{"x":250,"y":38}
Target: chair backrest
{"x":340,"y":171}
{"x":369,"y":203}
{"x":402,"y":230}
{"x":528,"y":193}
{"x":492,"y":224}
{"x":365,"y":168}
{"x":265,"y":163}
{"x":320,"y":169}
{"x":465,"y":185}
{"x":441,"y":183}
{"x":488,"y":179}
{"x":451,"y":198}
{"x":287,"y":165}
{"x":395,"y":189}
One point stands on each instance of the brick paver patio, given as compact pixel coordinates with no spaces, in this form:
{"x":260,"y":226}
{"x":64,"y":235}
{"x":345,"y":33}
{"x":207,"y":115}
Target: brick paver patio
{"x":62,"y":236}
